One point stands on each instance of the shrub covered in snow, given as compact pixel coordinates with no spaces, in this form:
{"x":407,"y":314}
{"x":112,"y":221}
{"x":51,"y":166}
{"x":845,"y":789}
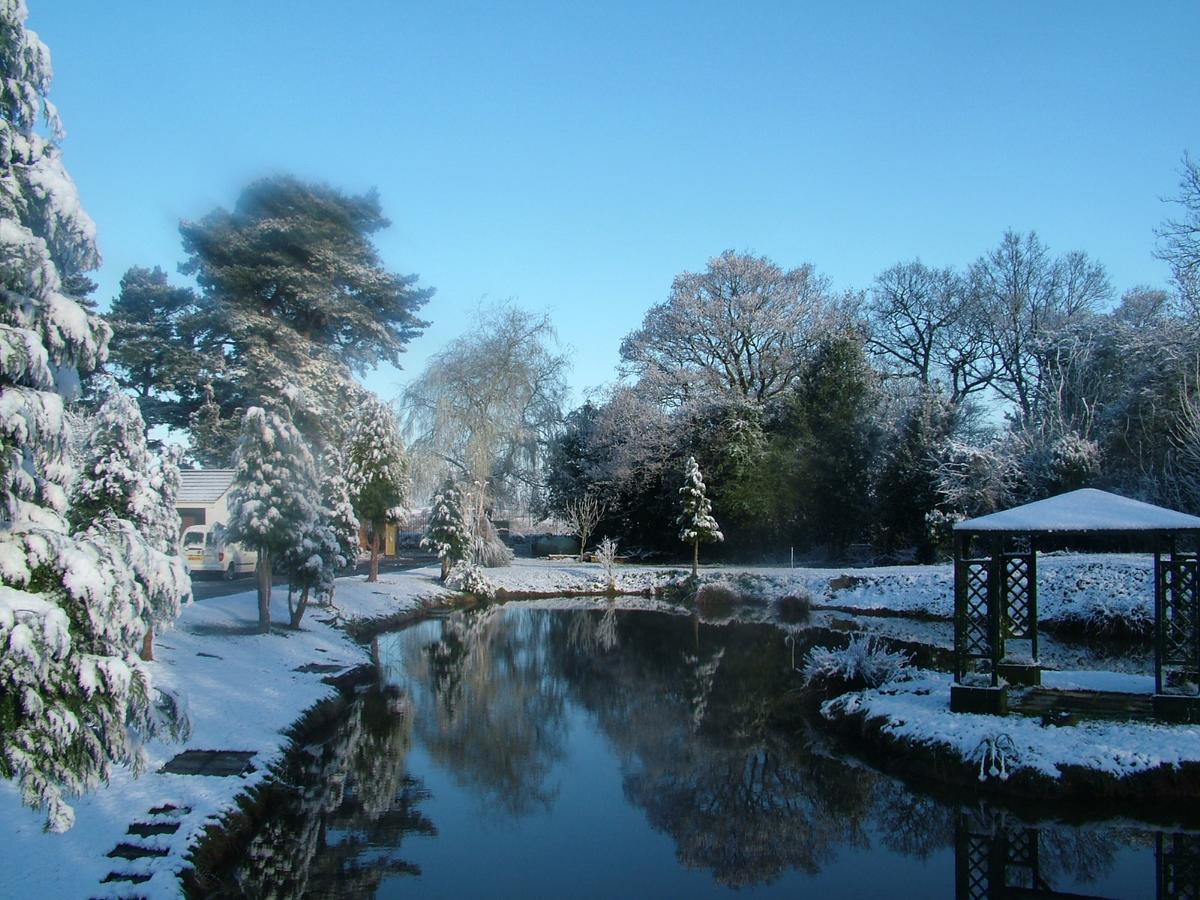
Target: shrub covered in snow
{"x":606,"y":555}
{"x":469,"y":578}
{"x":863,"y":663}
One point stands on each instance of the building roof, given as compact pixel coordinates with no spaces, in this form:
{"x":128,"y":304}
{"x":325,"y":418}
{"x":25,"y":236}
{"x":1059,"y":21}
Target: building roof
{"x":203,"y":485}
{"x":1083,"y":511}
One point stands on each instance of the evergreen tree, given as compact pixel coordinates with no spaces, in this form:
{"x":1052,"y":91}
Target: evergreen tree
{"x":839,"y":444}
{"x":907,"y":487}
{"x":377,"y":471}
{"x":448,"y":533}
{"x":326,"y":547}
{"x":293,"y":291}
{"x":336,"y":499}
{"x":275,"y":498}
{"x":152,"y":355}
{"x":71,"y":685}
{"x":120,"y":479}
{"x":696,"y":524}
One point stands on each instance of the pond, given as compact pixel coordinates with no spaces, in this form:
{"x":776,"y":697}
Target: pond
{"x":523,"y":752}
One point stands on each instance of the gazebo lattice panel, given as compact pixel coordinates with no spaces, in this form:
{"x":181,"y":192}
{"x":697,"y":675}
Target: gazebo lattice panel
{"x":1177,"y":593}
{"x":973,"y":625}
{"x":1020,"y":598}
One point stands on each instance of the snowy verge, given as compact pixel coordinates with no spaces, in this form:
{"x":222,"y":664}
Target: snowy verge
{"x":1002,"y":752}
{"x":1073,"y":589}
{"x":242,"y":692}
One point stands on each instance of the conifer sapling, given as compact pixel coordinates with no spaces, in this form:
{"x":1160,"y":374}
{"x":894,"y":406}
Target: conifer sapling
{"x":696,"y":524}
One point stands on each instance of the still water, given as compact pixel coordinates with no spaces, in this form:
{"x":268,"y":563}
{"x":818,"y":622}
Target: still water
{"x":515,"y":752}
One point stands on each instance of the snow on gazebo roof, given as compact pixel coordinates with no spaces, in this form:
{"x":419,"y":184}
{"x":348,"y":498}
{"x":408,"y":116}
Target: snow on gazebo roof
{"x":1082,"y":511}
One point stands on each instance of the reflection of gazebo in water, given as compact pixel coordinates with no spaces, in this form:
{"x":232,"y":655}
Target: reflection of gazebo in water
{"x":995,"y":592}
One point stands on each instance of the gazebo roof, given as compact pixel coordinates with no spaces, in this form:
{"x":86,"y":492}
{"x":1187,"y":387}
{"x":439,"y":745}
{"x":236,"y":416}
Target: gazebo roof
{"x":1083,"y":511}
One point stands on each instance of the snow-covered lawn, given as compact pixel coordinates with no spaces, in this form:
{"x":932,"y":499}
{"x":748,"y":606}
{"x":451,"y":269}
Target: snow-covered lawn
{"x":242,"y":692}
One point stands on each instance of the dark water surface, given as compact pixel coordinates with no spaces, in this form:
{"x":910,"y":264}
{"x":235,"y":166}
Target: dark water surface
{"x":514,"y":752}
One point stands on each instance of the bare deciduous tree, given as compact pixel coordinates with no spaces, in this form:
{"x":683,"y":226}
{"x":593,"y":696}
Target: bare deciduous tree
{"x":1179,"y":239}
{"x":923,"y":324}
{"x":582,"y":516}
{"x":742,"y":327}
{"x":489,"y":401}
{"x":1026,"y":293}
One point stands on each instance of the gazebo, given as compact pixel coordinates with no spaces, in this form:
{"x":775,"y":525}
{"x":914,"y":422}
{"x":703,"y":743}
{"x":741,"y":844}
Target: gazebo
{"x":995,"y":592}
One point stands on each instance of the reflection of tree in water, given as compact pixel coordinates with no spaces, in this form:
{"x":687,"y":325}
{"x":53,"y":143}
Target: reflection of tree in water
{"x":488,"y":706}
{"x":688,"y":707}
{"x":341,"y":797}
{"x":912,"y":824}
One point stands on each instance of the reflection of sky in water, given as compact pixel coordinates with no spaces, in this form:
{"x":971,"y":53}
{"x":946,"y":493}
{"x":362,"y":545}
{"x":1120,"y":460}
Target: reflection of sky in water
{"x":568,"y":757}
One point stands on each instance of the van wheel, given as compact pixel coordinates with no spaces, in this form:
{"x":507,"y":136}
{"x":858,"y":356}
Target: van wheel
{"x":231,"y":572}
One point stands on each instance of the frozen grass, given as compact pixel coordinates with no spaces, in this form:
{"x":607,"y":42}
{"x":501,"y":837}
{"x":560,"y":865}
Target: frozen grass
{"x":863,"y":663}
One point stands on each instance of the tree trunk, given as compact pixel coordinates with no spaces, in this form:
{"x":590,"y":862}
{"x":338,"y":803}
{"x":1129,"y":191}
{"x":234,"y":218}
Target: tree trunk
{"x":298,"y":612}
{"x":695,"y":558}
{"x":583,"y":536}
{"x":445,"y":567}
{"x":373,"y":571}
{"x":148,"y":644}
{"x":264,"y":591}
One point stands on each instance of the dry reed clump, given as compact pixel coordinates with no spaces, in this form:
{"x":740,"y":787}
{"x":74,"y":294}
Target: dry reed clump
{"x":716,"y":597}
{"x":793,"y":608}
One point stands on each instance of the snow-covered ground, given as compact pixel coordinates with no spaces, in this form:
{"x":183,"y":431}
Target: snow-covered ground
{"x":918,"y":710}
{"x":242,"y":692}
{"x":1070,"y":586}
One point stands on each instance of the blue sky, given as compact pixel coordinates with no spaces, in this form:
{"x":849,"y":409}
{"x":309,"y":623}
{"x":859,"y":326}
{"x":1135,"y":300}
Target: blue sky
{"x":576,"y":157}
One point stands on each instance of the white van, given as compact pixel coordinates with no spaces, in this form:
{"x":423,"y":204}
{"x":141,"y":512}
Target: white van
{"x":204,"y":550}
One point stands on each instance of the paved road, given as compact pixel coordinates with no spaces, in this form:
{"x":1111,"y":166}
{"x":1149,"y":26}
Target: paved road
{"x":205,"y":586}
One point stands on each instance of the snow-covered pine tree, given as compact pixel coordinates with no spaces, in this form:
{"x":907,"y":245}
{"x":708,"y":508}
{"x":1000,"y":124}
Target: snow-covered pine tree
{"x":275,"y":497}
{"x":118,"y":477}
{"x":328,"y":546}
{"x":336,"y":499}
{"x":311,"y":562}
{"x":377,"y":471}
{"x":696,"y":524}
{"x":448,"y":533}
{"x":71,"y":685}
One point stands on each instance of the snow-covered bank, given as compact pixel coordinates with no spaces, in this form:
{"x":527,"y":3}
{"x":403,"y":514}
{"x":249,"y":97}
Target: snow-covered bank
{"x":243,"y":691}
{"x":1071,"y":588}
{"x":911,"y":721}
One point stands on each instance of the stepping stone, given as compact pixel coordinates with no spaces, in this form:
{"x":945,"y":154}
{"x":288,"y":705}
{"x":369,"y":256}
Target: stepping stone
{"x":222,"y":763}
{"x":146,"y":829}
{"x":169,"y":808}
{"x":135,"y":878}
{"x":136,"y":851}
{"x":310,"y":668}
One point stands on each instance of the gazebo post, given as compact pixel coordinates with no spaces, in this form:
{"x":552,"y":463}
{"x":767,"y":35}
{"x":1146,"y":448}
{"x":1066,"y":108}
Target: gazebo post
{"x":1176,"y":630}
{"x":978,"y":622}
